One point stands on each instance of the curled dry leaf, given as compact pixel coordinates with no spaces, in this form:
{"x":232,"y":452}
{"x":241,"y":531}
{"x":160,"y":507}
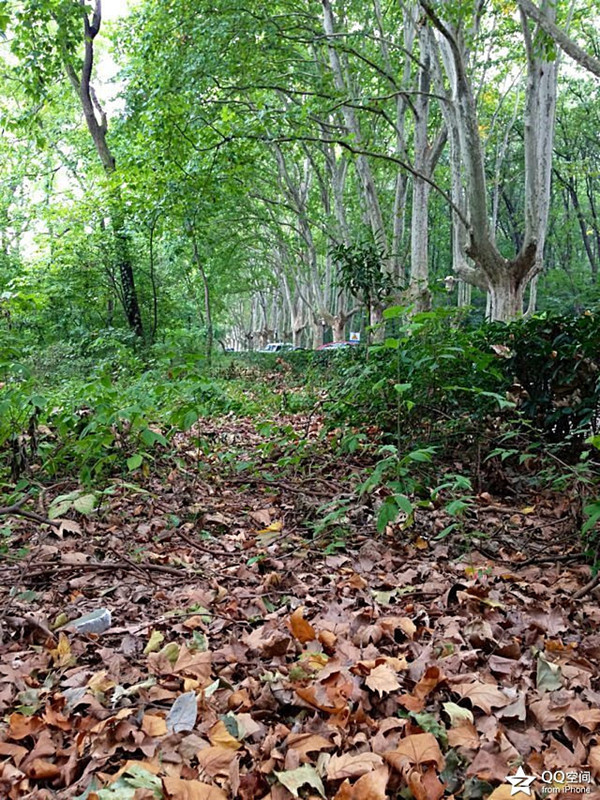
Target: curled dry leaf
{"x":305,"y":743}
{"x":482,"y":695}
{"x":416,"y":700}
{"x":301,"y":629}
{"x":352,"y":766}
{"x":371,"y":786}
{"x":40,"y":769}
{"x":426,"y":785}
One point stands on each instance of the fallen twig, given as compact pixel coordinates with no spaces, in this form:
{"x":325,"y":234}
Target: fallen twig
{"x":17,"y":511}
{"x":591,"y":584}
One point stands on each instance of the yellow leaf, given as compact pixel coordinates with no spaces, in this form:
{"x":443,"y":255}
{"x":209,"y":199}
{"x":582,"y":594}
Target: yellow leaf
{"x":153,"y":725}
{"x":154,"y":642}
{"x":100,"y":683}
{"x":61,"y":655}
{"x":274,"y":527}
{"x":421,"y":544}
{"x":220,"y":737}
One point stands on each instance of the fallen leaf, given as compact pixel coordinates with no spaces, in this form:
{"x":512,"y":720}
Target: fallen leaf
{"x":154,"y":642}
{"x":220,"y":736}
{"x":482,"y":695}
{"x":179,"y":789}
{"x":305,"y":743}
{"x":216,"y":760}
{"x":352,"y":766}
{"x":382,"y":679}
{"x":548,"y":676}
{"x":183,"y":713}
{"x":415,"y":750}
{"x":302,"y":630}
{"x":294,"y":779}
{"x":153,"y":725}
{"x":415,"y":701}
{"x":40,"y":769}
{"x":371,"y":786}
{"x":458,"y":714}
{"x":464,"y":735}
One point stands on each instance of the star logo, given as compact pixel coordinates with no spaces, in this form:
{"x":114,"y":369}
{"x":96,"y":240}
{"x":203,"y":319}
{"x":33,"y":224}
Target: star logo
{"x":521,"y":782}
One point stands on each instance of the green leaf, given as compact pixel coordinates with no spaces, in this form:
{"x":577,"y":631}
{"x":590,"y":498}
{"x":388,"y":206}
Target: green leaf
{"x":135,"y":461}
{"x":387,"y":513}
{"x":86,"y":503}
{"x":150,"y":437}
{"x":549,"y":676}
{"x":294,"y":779}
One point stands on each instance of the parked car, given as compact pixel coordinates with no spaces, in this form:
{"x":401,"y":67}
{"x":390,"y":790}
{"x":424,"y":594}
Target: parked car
{"x":337,"y":345}
{"x":277,"y":347}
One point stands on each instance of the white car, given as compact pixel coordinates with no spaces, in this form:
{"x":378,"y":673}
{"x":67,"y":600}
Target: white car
{"x":277,"y":347}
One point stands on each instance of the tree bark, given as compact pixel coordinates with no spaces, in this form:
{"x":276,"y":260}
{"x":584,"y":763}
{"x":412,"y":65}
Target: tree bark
{"x":207,"y":305}
{"x":505,"y":279}
{"x":98,"y":126}
{"x":566,"y":44}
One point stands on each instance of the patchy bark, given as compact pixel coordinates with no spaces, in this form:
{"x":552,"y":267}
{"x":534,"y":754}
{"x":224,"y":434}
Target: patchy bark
{"x":96,"y":121}
{"x":505,"y":279}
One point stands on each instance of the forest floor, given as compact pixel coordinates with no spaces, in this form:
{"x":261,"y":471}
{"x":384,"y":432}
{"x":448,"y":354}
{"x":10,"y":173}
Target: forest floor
{"x":266,"y":642}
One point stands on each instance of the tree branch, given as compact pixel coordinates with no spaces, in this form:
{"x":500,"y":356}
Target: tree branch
{"x":566,"y":44}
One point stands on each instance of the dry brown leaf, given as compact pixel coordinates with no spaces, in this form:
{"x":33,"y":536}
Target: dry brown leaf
{"x":426,"y":786}
{"x":194,"y":664}
{"x":489,"y":766}
{"x":504,"y":792}
{"x":216,"y":760}
{"x":372,"y":785}
{"x":382,"y":679}
{"x":21,"y":726}
{"x":588,"y":718}
{"x":416,"y":700}
{"x":345,"y":792}
{"x":309,"y":695}
{"x":415,"y":750}
{"x":304,"y":743}
{"x":328,"y":640}
{"x":153,"y":725}
{"x":464,"y":735}
{"x":179,"y":789}
{"x":14,"y":751}
{"x":352,"y":766}
{"x":40,"y":769}
{"x":483,"y":695}
{"x":390,"y":624}
{"x":301,"y":629}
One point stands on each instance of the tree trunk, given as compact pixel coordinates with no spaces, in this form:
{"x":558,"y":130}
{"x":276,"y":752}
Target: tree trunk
{"x":98,"y":128}
{"x":506,"y":280}
{"x":207,"y":306}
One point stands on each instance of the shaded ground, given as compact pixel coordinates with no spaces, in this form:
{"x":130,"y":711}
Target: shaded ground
{"x":257,"y":651}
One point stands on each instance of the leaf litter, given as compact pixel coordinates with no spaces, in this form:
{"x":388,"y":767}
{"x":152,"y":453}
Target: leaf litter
{"x":248,"y":657}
